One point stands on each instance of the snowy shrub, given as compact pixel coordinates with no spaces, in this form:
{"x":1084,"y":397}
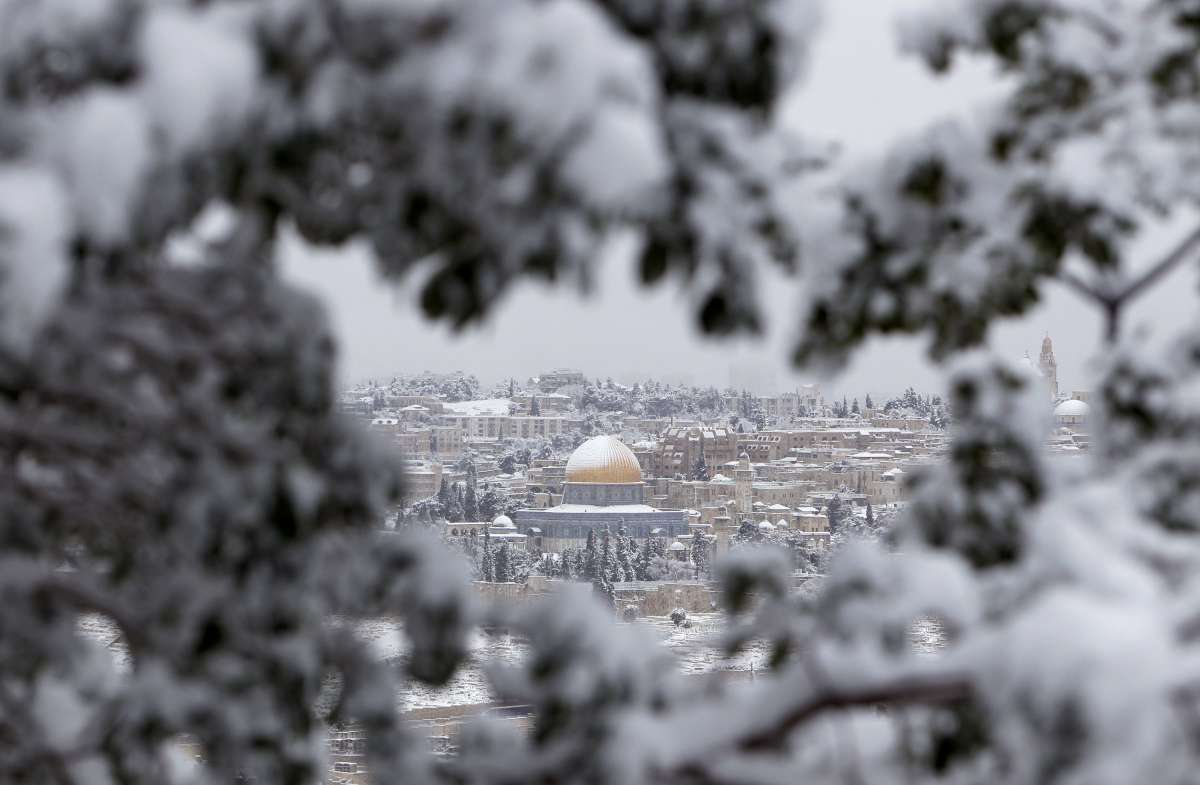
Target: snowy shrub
{"x":678,"y":616}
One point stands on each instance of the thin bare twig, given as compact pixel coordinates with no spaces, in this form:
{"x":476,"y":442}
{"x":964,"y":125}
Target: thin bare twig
{"x":905,"y":692}
{"x":1112,"y":302}
{"x":1179,"y":254}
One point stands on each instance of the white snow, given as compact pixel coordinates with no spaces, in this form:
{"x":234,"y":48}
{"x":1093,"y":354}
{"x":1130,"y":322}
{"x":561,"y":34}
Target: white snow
{"x":489,"y":407}
{"x":100,"y":144}
{"x":33,"y":234}
{"x":620,"y":162}
{"x":200,"y":77}
{"x":615,"y":508}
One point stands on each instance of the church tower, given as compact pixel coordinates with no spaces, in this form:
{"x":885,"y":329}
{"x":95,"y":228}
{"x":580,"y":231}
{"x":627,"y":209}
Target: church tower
{"x":1049,"y":368}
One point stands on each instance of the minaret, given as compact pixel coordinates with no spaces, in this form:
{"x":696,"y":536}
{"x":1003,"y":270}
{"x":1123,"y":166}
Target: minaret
{"x":1049,"y":367}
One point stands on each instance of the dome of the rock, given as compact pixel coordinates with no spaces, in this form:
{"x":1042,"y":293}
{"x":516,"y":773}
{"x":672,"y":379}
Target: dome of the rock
{"x":603,"y":459}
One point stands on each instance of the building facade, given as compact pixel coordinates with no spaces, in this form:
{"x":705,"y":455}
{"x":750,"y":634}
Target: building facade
{"x":679,"y":449}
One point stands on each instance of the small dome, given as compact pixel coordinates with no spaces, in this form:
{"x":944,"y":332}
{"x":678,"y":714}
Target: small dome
{"x":766,"y":525}
{"x":781,"y":524}
{"x":603,"y":459}
{"x":1072,"y":408}
{"x":503,"y":522}
{"x":676,"y":546}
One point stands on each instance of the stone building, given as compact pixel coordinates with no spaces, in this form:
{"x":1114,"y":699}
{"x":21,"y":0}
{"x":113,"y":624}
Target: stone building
{"x":804,"y":401}
{"x":446,"y":441}
{"x":558,"y":378}
{"x":679,"y":448}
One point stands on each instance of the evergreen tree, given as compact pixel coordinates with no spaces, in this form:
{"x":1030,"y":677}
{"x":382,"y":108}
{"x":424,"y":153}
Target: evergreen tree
{"x":854,"y":407}
{"x":607,"y":565}
{"x":700,"y":470}
{"x":835,"y":513}
{"x":624,"y":569}
{"x":535,"y":408}
{"x":492,"y":502}
{"x":845,"y":408}
{"x":641,"y":566}
{"x":504,"y":572}
{"x":471,"y":505}
{"x":747,"y":532}
{"x":658,"y":547}
{"x":699,"y":555}
{"x":605,"y":591}
{"x":870,"y":517}
{"x":487,"y":563}
{"x":445,"y":499}
{"x":512,"y":388}
{"x":760,"y":419}
{"x":868,"y":402}
{"x":591,"y":561}
{"x":456,"y":513}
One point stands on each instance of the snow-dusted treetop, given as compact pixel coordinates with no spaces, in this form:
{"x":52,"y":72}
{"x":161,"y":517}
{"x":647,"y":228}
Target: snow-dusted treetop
{"x":1093,"y":140}
{"x":494,"y":140}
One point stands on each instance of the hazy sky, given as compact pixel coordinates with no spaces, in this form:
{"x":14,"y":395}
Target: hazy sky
{"x":860,"y":93}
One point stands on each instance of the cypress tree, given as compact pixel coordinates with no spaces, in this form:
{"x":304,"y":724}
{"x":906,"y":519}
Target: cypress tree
{"x":444,"y":499}
{"x":503,"y":565}
{"x":590,"y":557}
{"x":487,"y":566}
{"x":834,"y":512}
{"x":624,"y":571}
{"x":470,"y":505}
{"x":642,"y":564}
{"x":608,"y":565}
{"x":699,"y":554}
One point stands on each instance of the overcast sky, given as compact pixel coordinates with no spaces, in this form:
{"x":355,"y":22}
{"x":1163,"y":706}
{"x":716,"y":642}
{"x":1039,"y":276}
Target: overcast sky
{"x":860,"y":93}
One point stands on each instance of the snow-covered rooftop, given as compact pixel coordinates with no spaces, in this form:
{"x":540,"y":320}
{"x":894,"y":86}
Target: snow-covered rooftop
{"x":490,"y":406}
{"x":618,"y":508}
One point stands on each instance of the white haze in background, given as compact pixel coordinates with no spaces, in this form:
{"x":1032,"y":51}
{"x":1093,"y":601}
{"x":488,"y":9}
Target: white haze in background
{"x":860,"y":93}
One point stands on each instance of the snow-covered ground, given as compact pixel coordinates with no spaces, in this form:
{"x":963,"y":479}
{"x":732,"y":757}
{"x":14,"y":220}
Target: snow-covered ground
{"x":693,"y":647}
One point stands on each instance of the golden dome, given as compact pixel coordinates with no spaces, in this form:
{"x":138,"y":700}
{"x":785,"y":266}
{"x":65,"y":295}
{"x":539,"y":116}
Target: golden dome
{"x":603,"y":459}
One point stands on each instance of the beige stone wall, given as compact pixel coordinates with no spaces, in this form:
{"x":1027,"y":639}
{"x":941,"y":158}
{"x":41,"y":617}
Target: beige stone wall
{"x":651,"y":599}
{"x":659,"y":599}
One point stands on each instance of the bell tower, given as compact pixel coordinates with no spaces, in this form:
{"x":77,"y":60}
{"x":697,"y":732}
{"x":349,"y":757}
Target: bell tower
{"x":1049,"y":367}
